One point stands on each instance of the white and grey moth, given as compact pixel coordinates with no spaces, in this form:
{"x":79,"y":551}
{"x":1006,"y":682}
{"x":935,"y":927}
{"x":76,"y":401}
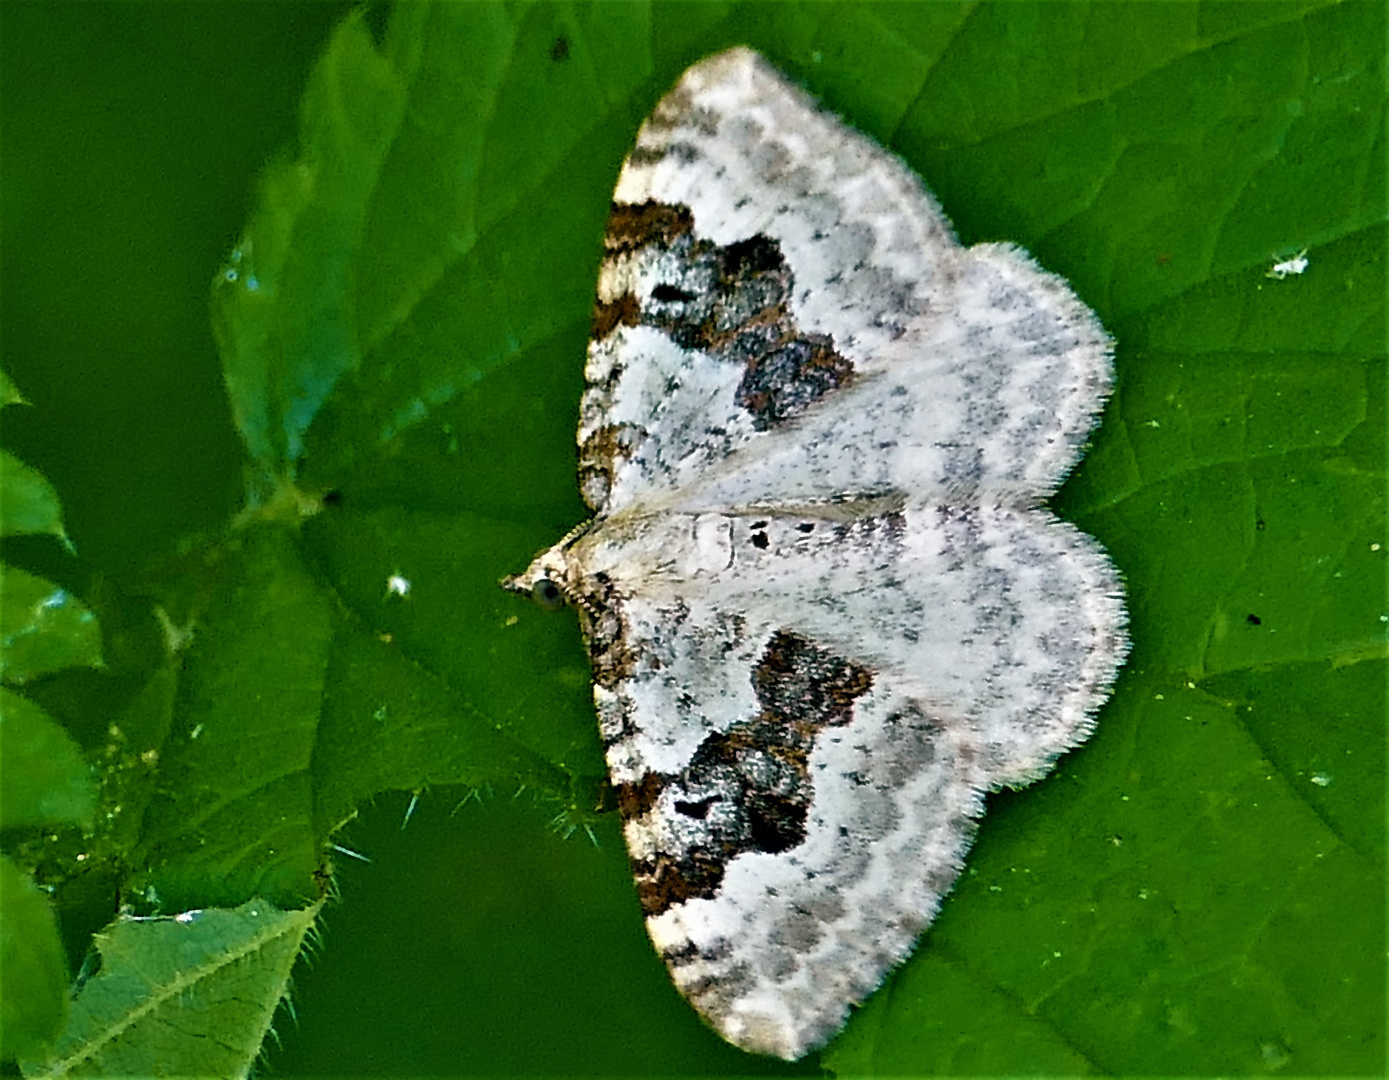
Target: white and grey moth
{"x":825,"y":608}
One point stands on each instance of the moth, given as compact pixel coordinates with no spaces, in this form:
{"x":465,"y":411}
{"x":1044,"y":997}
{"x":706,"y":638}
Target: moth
{"x":825,"y":607}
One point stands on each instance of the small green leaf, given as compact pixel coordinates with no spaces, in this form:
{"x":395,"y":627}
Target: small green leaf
{"x":43,"y":628}
{"x":283,"y":305}
{"x":28,"y":503}
{"x":9,"y":393}
{"x":44,"y":779}
{"x":182,"y":995}
{"x":33,"y":973}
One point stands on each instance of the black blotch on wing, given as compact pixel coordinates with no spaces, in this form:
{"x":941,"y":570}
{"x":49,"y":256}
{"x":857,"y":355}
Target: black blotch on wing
{"x":734,"y":303}
{"x":697,"y":810}
{"x":671,"y":294}
{"x":747,"y":788}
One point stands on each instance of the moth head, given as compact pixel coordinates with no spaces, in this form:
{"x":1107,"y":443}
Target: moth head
{"x":546,"y":580}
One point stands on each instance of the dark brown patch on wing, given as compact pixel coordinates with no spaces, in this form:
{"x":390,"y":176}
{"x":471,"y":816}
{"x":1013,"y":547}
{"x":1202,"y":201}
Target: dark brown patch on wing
{"x":635,"y":225}
{"x":624,"y":311}
{"x":807,"y":685}
{"x":634,"y":800}
{"x":782,"y":383}
{"x":600,"y":620}
{"x":731,"y":301}
{"x":748,"y":788}
{"x":599,"y":458}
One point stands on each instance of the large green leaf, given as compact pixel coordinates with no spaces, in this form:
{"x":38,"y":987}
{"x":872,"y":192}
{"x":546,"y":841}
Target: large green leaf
{"x":1155,"y":907}
{"x":402,"y":326}
{"x":288,"y":712}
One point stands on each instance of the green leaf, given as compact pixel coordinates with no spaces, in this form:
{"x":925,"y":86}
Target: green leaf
{"x":43,"y":628}
{"x":440,"y":679}
{"x":28,"y":503}
{"x":1157,"y":905}
{"x":44,"y":779}
{"x":296,"y":257}
{"x":217,"y":973}
{"x":388,"y":199}
{"x":235,"y":816}
{"x":289,"y":712}
{"x":9,"y":393}
{"x":33,"y":973}
{"x":1170,"y":901}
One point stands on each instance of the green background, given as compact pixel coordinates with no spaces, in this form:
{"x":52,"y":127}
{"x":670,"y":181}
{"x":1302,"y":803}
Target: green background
{"x":1197,"y":890}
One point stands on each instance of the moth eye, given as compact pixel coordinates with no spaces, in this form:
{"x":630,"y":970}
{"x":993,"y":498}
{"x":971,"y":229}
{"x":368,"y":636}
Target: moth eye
{"x":671,"y":294}
{"x":547,"y":594}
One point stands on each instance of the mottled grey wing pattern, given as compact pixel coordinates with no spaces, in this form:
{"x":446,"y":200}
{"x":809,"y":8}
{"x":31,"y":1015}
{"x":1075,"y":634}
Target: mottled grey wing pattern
{"x":802,"y":717}
{"x":824,"y":611}
{"x":764,"y":258}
